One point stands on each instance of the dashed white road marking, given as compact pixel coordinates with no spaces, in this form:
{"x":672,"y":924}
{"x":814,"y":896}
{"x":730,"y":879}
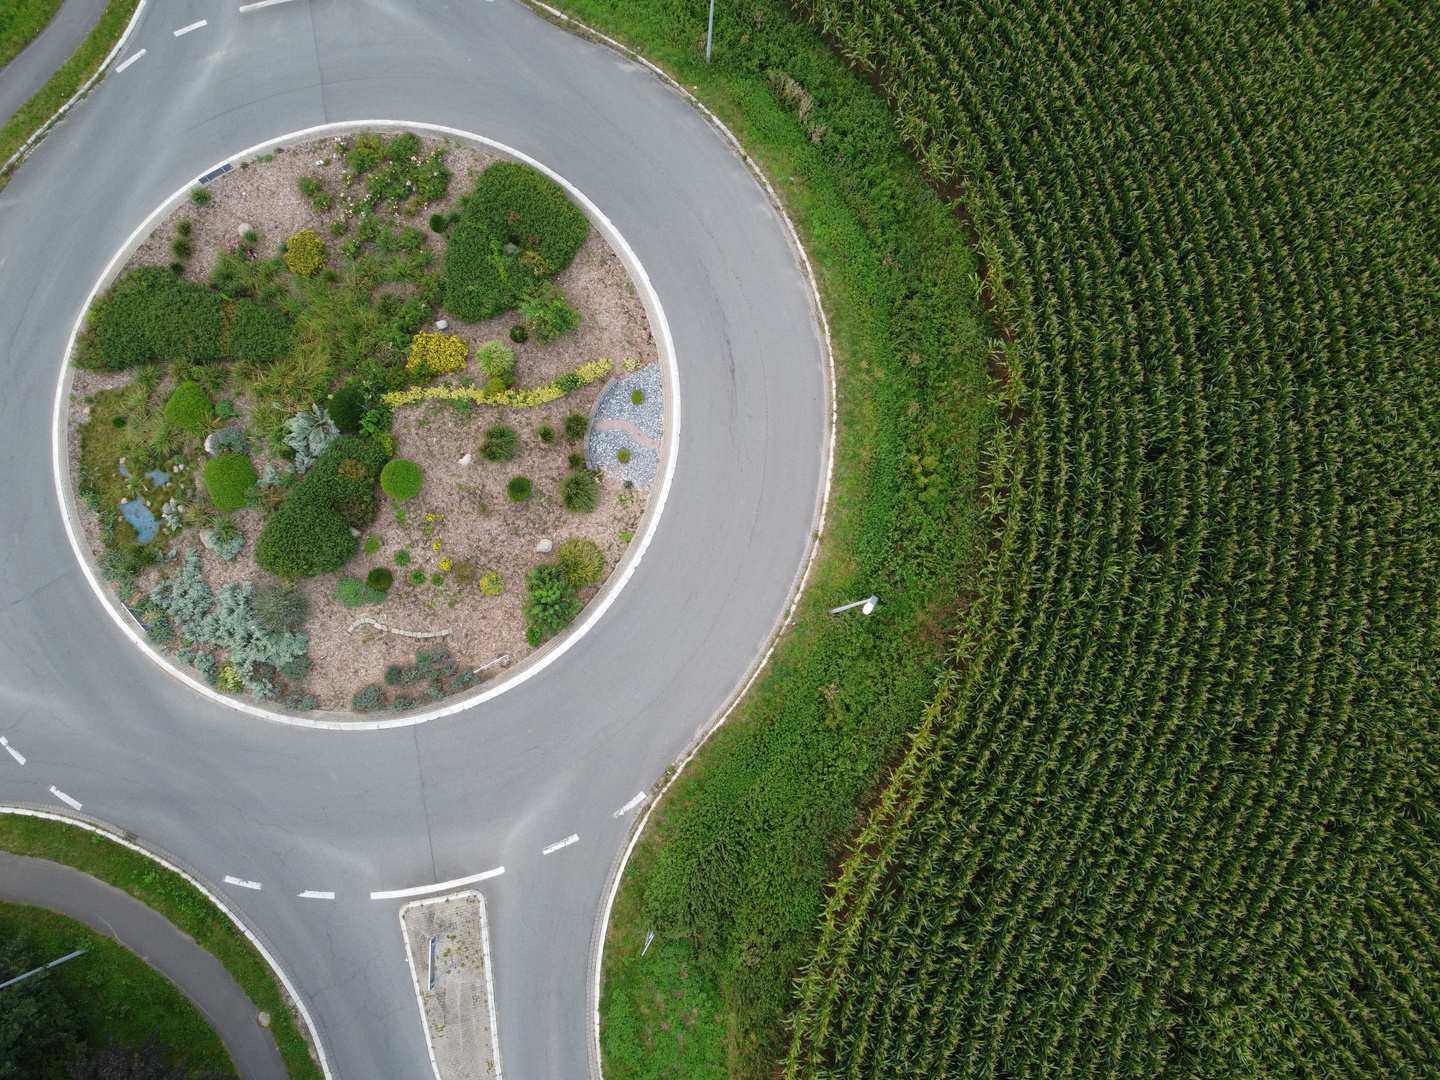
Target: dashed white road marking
{"x":13,"y":752}
{"x":636,"y":801}
{"x":192,"y":26}
{"x":561,"y":843}
{"x":315,"y":894}
{"x":439,"y":886}
{"x":66,"y":799}
{"x":262,"y":3}
{"x":130,"y":61}
{"x":242,"y":883}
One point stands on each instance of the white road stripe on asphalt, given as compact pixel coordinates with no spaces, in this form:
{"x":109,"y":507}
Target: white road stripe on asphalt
{"x":439,"y":886}
{"x":561,"y":843}
{"x":262,"y":3}
{"x":636,"y":801}
{"x":192,"y":26}
{"x":130,"y":61}
{"x":313,"y":894}
{"x":66,"y":799}
{"x":13,"y":752}
{"x":241,"y":882}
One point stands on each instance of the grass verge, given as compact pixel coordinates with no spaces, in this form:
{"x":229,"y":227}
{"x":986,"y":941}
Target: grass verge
{"x":36,"y":112}
{"x":180,"y":902}
{"x":113,"y":994}
{"x":731,"y":872}
{"x":21,"y":22}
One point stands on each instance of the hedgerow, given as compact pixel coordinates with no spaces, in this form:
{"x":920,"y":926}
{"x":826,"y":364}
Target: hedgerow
{"x":584,"y":375}
{"x":481,"y":281}
{"x":230,"y":479}
{"x":518,"y":204}
{"x":190,"y":407}
{"x":150,"y":314}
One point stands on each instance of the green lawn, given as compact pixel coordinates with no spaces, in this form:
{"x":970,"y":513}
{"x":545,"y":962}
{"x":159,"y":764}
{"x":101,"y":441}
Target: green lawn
{"x":20,"y":22}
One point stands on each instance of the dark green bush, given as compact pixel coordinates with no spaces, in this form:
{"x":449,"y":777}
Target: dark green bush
{"x":517,"y":203}
{"x":230,"y":478}
{"x":439,"y":223}
{"x":306,"y":535}
{"x":261,"y":332}
{"x":519,"y":334}
{"x":280,"y":607}
{"x":576,"y":425}
{"x":579,"y":493}
{"x":401,"y":479}
{"x":402,"y":557}
{"x":147,"y":315}
{"x":182,"y":247}
{"x":480,"y":279}
{"x":199,"y":196}
{"x":189,"y":407}
{"x":368,"y":698}
{"x":348,"y":406}
{"x":500,"y":443}
{"x":380,"y":579}
{"x":368,"y":151}
{"x":547,"y":434}
{"x":548,"y":316}
{"x":551,"y":603}
{"x":352,"y":592}
{"x":518,"y":488}
{"x":577,"y":459}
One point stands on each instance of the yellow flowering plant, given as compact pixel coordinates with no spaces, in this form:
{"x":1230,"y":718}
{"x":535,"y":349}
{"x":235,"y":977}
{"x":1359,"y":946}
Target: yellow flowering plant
{"x":432,"y":355}
{"x":520,"y":398}
{"x":304,"y":253}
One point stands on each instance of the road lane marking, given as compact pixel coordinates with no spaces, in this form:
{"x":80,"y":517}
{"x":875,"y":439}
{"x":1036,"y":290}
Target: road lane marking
{"x":636,"y":801}
{"x":242,"y":883}
{"x":192,"y":26}
{"x":561,"y":843}
{"x":66,"y":799}
{"x":439,"y":886}
{"x":313,"y":894}
{"x":130,"y":61}
{"x":262,"y":3}
{"x":13,"y":752}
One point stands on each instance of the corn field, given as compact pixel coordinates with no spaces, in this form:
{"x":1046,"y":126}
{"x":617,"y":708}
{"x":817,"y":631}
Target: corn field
{"x":1174,"y":810}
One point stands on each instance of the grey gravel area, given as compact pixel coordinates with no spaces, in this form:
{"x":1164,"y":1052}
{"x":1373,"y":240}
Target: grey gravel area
{"x":614,"y":412}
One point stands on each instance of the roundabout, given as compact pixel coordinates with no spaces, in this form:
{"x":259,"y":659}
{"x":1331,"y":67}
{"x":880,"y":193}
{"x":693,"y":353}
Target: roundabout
{"x":315,"y":839}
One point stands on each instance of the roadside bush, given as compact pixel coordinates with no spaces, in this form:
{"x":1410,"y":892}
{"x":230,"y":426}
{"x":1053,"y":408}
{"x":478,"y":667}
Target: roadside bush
{"x":481,"y":281}
{"x":380,"y":579}
{"x":432,"y":355}
{"x":519,"y":204}
{"x":579,"y":493}
{"x":491,"y":583}
{"x":281,"y":607}
{"x":368,"y":698}
{"x":551,"y":604}
{"x":304,"y":253}
{"x":576,"y":425}
{"x":352,"y":592}
{"x":261,"y":333}
{"x":189,"y":407}
{"x":199,"y":196}
{"x":581,"y":562}
{"x":500,"y":443}
{"x":496,"y":359}
{"x":306,"y":535}
{"x":347,"y":407}
{"x":182,"y":247}
{"x":547,"y":316}
{"x":401,"y":479}
{"x":147,"y":315}
{"x":230,"y":478}
{"x":518,"y":488}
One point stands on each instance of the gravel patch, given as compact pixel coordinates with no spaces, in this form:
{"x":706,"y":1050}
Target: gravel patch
{"x":618,"y":423}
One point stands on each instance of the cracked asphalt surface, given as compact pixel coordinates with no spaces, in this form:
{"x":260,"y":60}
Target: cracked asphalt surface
{"x":354,"y":812}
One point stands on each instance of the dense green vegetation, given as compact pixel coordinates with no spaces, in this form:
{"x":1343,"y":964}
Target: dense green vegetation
{"x":178,"y":901}
{"x":50,"y":1020}
{"x":20,"y":22}
{"x":1175,"y":811}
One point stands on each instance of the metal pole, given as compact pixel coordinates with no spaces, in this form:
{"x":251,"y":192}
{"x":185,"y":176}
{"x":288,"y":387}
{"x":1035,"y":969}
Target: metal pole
{"x":710,"y":33}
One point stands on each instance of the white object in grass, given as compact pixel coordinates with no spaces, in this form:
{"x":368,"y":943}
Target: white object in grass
{"x":866,"y":606}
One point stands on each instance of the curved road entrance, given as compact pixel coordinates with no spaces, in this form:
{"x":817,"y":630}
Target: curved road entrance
{"x":352,"y":813}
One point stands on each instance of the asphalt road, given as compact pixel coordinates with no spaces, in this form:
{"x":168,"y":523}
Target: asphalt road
{"x":353,"y":812}
{"x":27,"y":73}
{"x":153,"y":938}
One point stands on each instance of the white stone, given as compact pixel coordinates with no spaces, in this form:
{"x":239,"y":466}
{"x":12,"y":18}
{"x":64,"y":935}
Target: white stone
{"x":544,"y":547}
{"x":263,"y":1019}
{"x":355,"y":533}
{"x":245,"y":227}
{"x":441,"y":325}
{"x":468,"y":459}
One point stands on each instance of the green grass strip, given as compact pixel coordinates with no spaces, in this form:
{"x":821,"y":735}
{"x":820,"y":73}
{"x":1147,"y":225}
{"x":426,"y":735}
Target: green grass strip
{"x":21,"y":22}
{"x":73,"y":74}
{"x":182,"y":903}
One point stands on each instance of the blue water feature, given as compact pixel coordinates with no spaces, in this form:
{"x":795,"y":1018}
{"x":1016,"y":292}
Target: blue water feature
{"x":139,"y":515}
{"x":124,"y":471}
{"x":155,"y":476}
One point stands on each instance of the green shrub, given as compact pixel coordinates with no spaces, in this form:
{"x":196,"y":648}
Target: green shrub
{"x":519,"y":334}
{"x":637,"y":396}
{"x":402,"y":557}
{"x":579,"y":493}
{"x":437,"y":579}
{"x":281,"y":607}
{"x":547,"y":434}
{"x":551,"y":603}
{"x":226,"y":410}
{"x":368,"y":698}
{"x":182,"y":247}
{"x":230,"y":478}
{"x":367,"y":152}
{"x":417,"y":577}
{"x":304,"y":253}
{"x":439,"y":223}
{"x":199,"y":196}
{"x":372,"y":545}
{"x":576,"y":425}
{"x":261,"y":333}
{"x":518,"y":488}
{"x":185,"y":227}
{"x":380,"y":579}
{"x":309,"y":186}
{"x":353,"y":592}
{"x":500,"y":443}
{"x":306,"y":535}
{"x":491,"y":583}
{"x":576,"y":459}
{"x":517,"y":203}
{"x":547,"y":316}
{"x":149,"y":315}
{"x":496,"y":359}
{"x":347,"y":407}
{"x":581,"y":562}
{"x":481,"y":281}
{"x":622,"y":455}
{"x":401,"y":479}
{"x":189,"y":407}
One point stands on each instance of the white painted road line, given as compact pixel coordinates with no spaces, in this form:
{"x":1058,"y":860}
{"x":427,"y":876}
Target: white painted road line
{"x":13,"y":752}
{"x":192,"y":26}
{"x":636,"y":801}
{"x":242,"y":882}
{"x":312,"y":894}
{"x":130,"y":61}
{"x":262,"y":3}
{"x":66,"y":799}
{"x":561,"y":843}
{"x":439,"y":886}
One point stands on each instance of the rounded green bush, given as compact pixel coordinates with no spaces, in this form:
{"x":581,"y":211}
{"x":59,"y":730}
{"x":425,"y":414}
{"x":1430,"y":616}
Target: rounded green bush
{"x":190,"y":408}
{"x":380,"y":579}
{"x":576,"y":425}
{"x":402,"y":557}
{"x":401,"y":479}
{"x":579,"y":493}
{"x":347,"y":407}
{"x":526,"y":207}
{"x":622,"y":456}
{"x":496,"y":359}
{"x":229,"y":478}
{"x":500,"y":443}
{"x":637,"y":397}
{"x":519,"y":334}
{"x":518,"y":489}
{"x":438,"y":223}
{"x":576,"y":459}
{"x":437,"y":579}
{"x":547,"y":434}
{"x":417,"y":577}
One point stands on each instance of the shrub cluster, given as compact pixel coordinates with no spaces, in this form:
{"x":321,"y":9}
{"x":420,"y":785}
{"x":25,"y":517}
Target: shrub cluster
{"x":150,"y":314}
{"x":581,"y":562}
{"x":580,"y":492}
{"x":547,"y":316}
{"x":189,"y":407}
{"x":551,"y":604}
{"x":230,"y":478}
{"x":401,"y":479}
{"x":500,"y":443}
{"x":432,"y":355}
{"x":261,"y":333}
{"x":310,"y":532}
{"x":400,"y":176}
{"x":354,"y":592}
{"x":304,"y":253}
